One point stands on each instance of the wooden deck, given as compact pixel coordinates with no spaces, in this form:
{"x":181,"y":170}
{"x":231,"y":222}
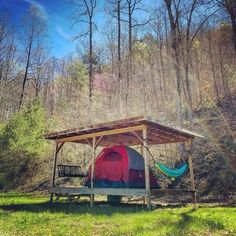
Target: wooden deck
{"x":98,"y":191}
{"x":115,"y":191}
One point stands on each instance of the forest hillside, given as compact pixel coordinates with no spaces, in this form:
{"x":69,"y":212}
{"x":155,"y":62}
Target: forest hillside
{"x":174,"y":61}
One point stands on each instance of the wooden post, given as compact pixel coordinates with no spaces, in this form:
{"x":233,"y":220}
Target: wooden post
{"x":57,"y":149}
{"x":146,"y":163}
{"x":193,"y":187}
{"x":92,"y":171}
{"x":141,"y":151}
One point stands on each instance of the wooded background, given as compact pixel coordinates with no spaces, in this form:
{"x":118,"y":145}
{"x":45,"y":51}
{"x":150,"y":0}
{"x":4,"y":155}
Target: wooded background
{"x":175,"y":62}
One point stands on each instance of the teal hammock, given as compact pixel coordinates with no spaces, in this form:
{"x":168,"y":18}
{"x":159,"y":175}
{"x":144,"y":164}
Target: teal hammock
{"x":172,"y":172}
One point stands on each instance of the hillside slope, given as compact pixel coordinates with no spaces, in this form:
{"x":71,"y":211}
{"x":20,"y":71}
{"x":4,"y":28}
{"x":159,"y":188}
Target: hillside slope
{"x":215,"y":159}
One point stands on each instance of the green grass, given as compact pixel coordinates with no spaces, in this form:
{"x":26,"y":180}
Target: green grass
{"x":27,"y":214}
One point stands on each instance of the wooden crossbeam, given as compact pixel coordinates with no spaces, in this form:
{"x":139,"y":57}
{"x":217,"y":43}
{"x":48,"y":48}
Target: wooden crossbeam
{"x":101,"y":133}
{"x":88,"y":142}
{"x":138,"y":137}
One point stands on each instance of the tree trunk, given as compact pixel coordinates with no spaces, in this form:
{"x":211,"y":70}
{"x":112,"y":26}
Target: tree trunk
{"x":199,"y":87}
{"x":232,"y":13}
{"x":129,"y":72}
{"x":175,"y":55}
{"x":223,"y":74}
{"x":178,"y":85}
{"x":213,"y":71}
{"x":119,"y":39}
{"x":25,"y":75}
{"x":90,"y":57}
{"x":188,"y":86}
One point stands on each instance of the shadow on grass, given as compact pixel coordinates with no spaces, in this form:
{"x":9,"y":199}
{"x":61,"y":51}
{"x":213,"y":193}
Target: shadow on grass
{"x":187,"y":221}
{"x":75,"y":208}
{"x":100,"y":207}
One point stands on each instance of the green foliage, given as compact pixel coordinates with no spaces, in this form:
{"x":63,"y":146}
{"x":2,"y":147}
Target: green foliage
{"x":22,"y":144}
{"x":1,"y":127}
{"x":78,"y":74}
{"x":141,"y":53}
{"x":27,"y":214}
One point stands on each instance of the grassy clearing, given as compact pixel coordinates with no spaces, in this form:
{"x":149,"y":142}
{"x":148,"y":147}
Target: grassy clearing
{"x":25,"y":214}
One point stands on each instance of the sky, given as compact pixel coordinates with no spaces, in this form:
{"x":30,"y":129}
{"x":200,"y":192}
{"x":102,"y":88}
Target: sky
{"x":58,"y":15}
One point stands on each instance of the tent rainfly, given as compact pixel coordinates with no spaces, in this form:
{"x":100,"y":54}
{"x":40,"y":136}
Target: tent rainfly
{"x":120,"y":167}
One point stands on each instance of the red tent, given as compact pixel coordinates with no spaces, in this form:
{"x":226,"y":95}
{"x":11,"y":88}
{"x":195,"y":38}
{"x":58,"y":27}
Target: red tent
{"x":120,"y":167}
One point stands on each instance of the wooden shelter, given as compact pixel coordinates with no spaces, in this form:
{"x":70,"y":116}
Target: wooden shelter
{"x":142,"y":131}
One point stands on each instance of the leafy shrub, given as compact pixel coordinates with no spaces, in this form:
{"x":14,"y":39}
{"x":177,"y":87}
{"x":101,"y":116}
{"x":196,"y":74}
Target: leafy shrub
{"x":22,"y":145}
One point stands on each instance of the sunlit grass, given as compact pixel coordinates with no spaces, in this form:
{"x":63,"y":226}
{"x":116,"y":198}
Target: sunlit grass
{"x":27,"y":214}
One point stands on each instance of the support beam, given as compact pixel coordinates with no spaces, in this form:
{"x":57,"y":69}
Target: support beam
{"x":141,"y":151}
{"x":190,"y":162}
{"x":138,"y":137}
{"x":146,"y":163}
{"x":57,"y":150}
{"x":88,"y":142}
{"x":101,"y":133}
{"x":92,"y":171}
{"x":98,"y":142}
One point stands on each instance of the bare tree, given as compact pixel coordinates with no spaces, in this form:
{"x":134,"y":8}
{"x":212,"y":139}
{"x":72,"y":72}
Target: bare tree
{"x":40,"y":70}
{"x":119,"y":37}
{"x":195,"y":22}
{"x":230,"y":8}
{"x":34,"y":29}
{"x":85,"y":12}
{"x":133,"y":7}
{"x":212,"y":63}
{"x":115,"y":12}
{"x":186,"y":19}
{"x":158,"y":28}
{"x":7,"y":47}
{"x":174,"y":20}
{"x":8,"y":69}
